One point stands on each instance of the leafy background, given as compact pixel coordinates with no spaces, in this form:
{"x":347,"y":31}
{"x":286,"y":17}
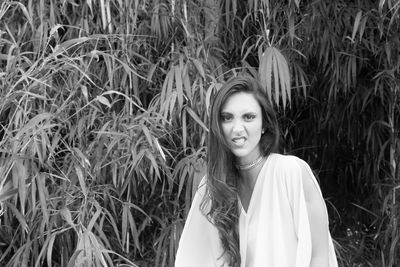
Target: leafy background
{"x":103,"y":115}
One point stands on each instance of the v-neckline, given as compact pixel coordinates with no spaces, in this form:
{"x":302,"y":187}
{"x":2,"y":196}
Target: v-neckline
{"x":253,"y":193}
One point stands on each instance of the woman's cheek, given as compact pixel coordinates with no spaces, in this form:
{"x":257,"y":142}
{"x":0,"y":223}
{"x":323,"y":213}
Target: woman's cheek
{"x":225,"y":130}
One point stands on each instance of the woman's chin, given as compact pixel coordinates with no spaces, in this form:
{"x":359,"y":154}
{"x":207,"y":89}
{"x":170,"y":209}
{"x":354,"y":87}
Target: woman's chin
{"x":240,"y":155}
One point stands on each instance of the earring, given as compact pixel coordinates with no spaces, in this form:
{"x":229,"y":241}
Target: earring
{"x":262,"y":132}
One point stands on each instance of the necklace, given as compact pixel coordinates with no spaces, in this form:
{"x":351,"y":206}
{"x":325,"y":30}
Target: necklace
{"x":250,"y":165}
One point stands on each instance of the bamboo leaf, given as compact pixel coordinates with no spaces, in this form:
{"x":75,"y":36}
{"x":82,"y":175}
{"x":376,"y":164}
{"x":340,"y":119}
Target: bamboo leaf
{"x":381,"y":4}
{"x":72,"y":261}
{"x":81,"y":180}
{"x":186,"y":84}
{"x":356,"y":25}
{"x":158,"y":147}
{"x":265,"y":70}
{"x":66,"y":214}
{"x":148,"y":135}
{"x":103,"y":14}
{"x":68,"y":44}
{"x":19,"y":216}
{"x":94,"y":218}
{"x":131,"y":205}
{"x":134,"y":231}
{"x":20,"y":173}
{"x":50,"y":247}
{"x":276,"y":77}
{"x":166,"y":92}
{"x":284,"y":77}
{"x":124,"y":224}
{"x":154,"y":164}
{"x":182,"y":178}
{"x":179,"y":87}
{"x":151,"y":71}
{"x":291,"y":26}
{"x":97,"y":248}
{"x":26,"y":254}
{"x":116,"y":232}
{"x":362,"y":27}
{"x":81,"y":157}
{"x":172,"y":100}
{"x":199,"y":67}
{"x":6,"y":192}
{"x":248,"y":51}
{"x":353,"y":61}
{"x":103,"y":100}
{"x":99,"y":230}
{"x":184,"y":129}
{"x":25,"y":12}
{"x":85,"y":92}
{"x":209,"y":93}
{"x":32,"y":123}
{"x":40,"y":181}
{"x":196,"y":118}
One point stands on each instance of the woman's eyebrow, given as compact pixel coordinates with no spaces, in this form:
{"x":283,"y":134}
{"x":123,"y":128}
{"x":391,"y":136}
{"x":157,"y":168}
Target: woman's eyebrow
{"x":245,"y":111}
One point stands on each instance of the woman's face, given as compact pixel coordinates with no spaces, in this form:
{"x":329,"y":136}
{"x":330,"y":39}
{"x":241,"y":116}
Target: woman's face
{"x":241,"y":121}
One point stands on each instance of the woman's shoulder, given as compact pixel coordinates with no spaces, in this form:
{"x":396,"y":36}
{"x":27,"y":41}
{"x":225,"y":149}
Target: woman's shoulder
{"x":293,"y":171}
{"x":286,"y":161}
{"x":287,"y":165}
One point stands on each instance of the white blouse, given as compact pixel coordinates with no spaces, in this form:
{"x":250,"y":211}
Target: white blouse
{"x":275,"y":230}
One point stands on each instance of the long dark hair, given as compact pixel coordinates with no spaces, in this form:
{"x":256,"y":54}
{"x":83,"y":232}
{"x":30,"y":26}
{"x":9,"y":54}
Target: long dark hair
{"x":222,"y":176}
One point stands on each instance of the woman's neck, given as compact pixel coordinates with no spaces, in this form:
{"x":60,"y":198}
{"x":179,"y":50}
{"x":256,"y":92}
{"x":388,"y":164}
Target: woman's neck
{"x":248,"y":178}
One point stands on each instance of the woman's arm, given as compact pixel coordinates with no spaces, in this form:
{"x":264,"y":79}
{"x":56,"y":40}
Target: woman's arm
{"x":318,"y":219}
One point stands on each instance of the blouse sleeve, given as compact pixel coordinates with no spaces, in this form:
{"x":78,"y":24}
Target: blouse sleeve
{"x":303,"y":188}
{"x":199,"y":242}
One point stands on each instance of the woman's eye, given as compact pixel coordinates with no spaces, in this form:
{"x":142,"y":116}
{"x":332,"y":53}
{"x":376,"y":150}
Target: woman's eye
{"x":226,"y":118}
{"x":249,"y":117}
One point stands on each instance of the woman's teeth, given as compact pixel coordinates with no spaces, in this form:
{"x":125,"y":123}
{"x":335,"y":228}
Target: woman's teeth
{"x":239,"y":141}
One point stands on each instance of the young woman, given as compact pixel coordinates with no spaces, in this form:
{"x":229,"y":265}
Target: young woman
{"x":255,"y":207}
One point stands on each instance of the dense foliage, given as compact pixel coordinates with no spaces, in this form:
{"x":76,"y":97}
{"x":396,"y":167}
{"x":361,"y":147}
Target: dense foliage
{"x":104,"y":112}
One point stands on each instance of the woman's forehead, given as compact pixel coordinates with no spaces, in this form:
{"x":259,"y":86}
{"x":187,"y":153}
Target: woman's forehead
{"x":241,"y":101}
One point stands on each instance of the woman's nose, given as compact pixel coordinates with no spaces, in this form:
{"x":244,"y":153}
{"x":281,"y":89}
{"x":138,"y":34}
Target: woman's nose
{"x":237,"y":126}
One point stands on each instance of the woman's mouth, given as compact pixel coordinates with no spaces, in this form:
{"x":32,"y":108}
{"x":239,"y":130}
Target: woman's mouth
{"x":239,"y":141}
